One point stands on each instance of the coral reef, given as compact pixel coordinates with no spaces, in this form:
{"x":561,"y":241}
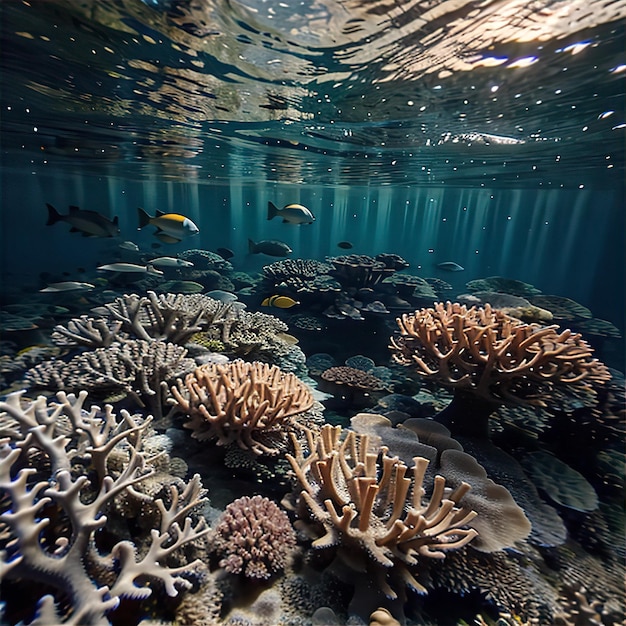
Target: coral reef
{"x":135,"y":368}
{"x":57,"y":486}
{"x":254,"y":537}
{"x":372,"y":511}
{"x":246,"y":403}
{"x":490,"y":358}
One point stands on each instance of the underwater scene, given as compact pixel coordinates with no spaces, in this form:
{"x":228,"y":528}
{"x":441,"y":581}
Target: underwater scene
{"x":312,"y":312}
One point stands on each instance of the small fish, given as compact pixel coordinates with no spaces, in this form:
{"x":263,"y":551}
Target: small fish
{"x":450,"y":266}
{"x":170,"y":261}
{"x":270,"y":247}
{"x":291,"y":213}
{"x":346,"y":245}
{"x":89,"y":223}
{"x":129,"y":245}
{"x":280,"y":302}
{"x":171,"y":227}
{"x":70,"y":285}
{"x":130,"y":267}
{"x":221,"y":295}
{"x":225,"y":253}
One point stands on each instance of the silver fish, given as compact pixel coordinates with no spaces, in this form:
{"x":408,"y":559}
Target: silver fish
{"x":129,"y":245}
{"x":130,"y":267}
{"x":450,"y":266}
{"x":170,"y":261}
{"x":67,"y":286}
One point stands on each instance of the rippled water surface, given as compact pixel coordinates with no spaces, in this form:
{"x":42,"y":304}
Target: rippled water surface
{"x":356,"y":92}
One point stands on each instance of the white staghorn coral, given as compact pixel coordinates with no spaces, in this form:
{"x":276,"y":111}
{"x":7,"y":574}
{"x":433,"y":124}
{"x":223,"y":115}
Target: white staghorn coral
{"x":56,"y":489}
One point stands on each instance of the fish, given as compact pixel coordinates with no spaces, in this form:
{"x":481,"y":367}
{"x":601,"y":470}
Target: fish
{"x":450,"y":266}
{"x":291,"y":213}
{"x":69,"y":285}
{"x":280,"y":302}
{"x":155,"y":245}
{"x":171,"y":227}
{"x":221,"y":295}
{"x":89,"y":223}
{"x":170,"y":261}
{"x":129,"y":245}
{"x":225,"y":253}
{"x":130,"y":267}
{"x":271,"y":247}
{"x":346,"y":245}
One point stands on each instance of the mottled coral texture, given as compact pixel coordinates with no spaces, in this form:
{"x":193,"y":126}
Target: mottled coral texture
{"x":254,"y":537}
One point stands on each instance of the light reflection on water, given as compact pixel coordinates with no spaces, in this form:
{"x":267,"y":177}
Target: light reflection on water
{"x":323,"y":93}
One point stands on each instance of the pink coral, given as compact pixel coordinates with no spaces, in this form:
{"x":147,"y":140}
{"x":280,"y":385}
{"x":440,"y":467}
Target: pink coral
{"x":254,"y":537}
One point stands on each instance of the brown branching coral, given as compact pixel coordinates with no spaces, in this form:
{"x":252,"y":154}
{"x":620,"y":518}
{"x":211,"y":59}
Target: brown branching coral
{"x":254,"y":537}
{"x":53,"y":507}
{"x":372,"y":510}
{"x":246,"y":403}
{"x":492,"y":357}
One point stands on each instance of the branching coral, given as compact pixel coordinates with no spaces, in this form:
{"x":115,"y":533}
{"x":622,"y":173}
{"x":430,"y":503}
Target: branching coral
{"x":254,"y":537}
{"x":246,"y":403}
{"x":369,"y":507}
{"x":171,"y":317}
{"x":492,"y":357}
{"x":137,"y":368}
{"x":51,"y":523}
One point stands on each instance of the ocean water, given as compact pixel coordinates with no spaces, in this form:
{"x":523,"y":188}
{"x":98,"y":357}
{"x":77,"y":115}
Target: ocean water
{"x":488,"y":135}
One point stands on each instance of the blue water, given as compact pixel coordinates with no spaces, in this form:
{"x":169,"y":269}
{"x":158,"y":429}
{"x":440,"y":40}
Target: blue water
{"x":488,"y":135}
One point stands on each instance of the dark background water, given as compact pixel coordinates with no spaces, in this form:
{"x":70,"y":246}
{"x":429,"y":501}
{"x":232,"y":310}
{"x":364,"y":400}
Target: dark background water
{"x":492,"y":136}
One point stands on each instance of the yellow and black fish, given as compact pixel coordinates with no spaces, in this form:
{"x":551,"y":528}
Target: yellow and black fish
{"x":280,"y":302}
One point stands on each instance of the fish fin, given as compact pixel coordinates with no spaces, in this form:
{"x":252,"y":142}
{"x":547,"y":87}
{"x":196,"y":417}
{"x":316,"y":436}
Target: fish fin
{"x":75,"y":230}
{"x":265,"y":302}
{"x":144,"y":218}
{"x":251,"y":246}
{"x":285,"y":221}
{"x":116,"y":220}
{"x":160,"y":213}
{"x":165,"y":238}
{"x":53,"y":215}
{"x":272,"y":210}
{"x":73,"y":208}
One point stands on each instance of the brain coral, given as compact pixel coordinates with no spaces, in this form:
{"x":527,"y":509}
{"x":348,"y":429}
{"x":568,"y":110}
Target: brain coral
{"x":254,"y":537}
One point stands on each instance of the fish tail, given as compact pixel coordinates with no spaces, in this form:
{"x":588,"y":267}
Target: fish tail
{"x":272,"y":210}
{"x":144,"y":218}
{"x":251,"y":246}
{"x":53,"y":215}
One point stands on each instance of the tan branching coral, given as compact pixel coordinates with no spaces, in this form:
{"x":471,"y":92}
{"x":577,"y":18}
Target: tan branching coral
{"x":57,"y":488}
{"x":246,"y":403}
{"x":494,"y":357}
{"x":370,"y":508}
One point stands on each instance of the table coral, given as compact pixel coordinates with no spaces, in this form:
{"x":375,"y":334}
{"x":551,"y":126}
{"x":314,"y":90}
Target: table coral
{"x":490,"y":358}
{"x":54,"y":506}
{"x":374,"y":512}
{"x":246,"y":403}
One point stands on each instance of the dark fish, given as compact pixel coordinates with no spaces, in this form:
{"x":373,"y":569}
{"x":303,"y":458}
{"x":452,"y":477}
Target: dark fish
{"x":450,"y":266}
{"x":346,"y":245}
{"x":225,"y":253}
{"x":271,"y":247}
{"x":89,"y":223}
